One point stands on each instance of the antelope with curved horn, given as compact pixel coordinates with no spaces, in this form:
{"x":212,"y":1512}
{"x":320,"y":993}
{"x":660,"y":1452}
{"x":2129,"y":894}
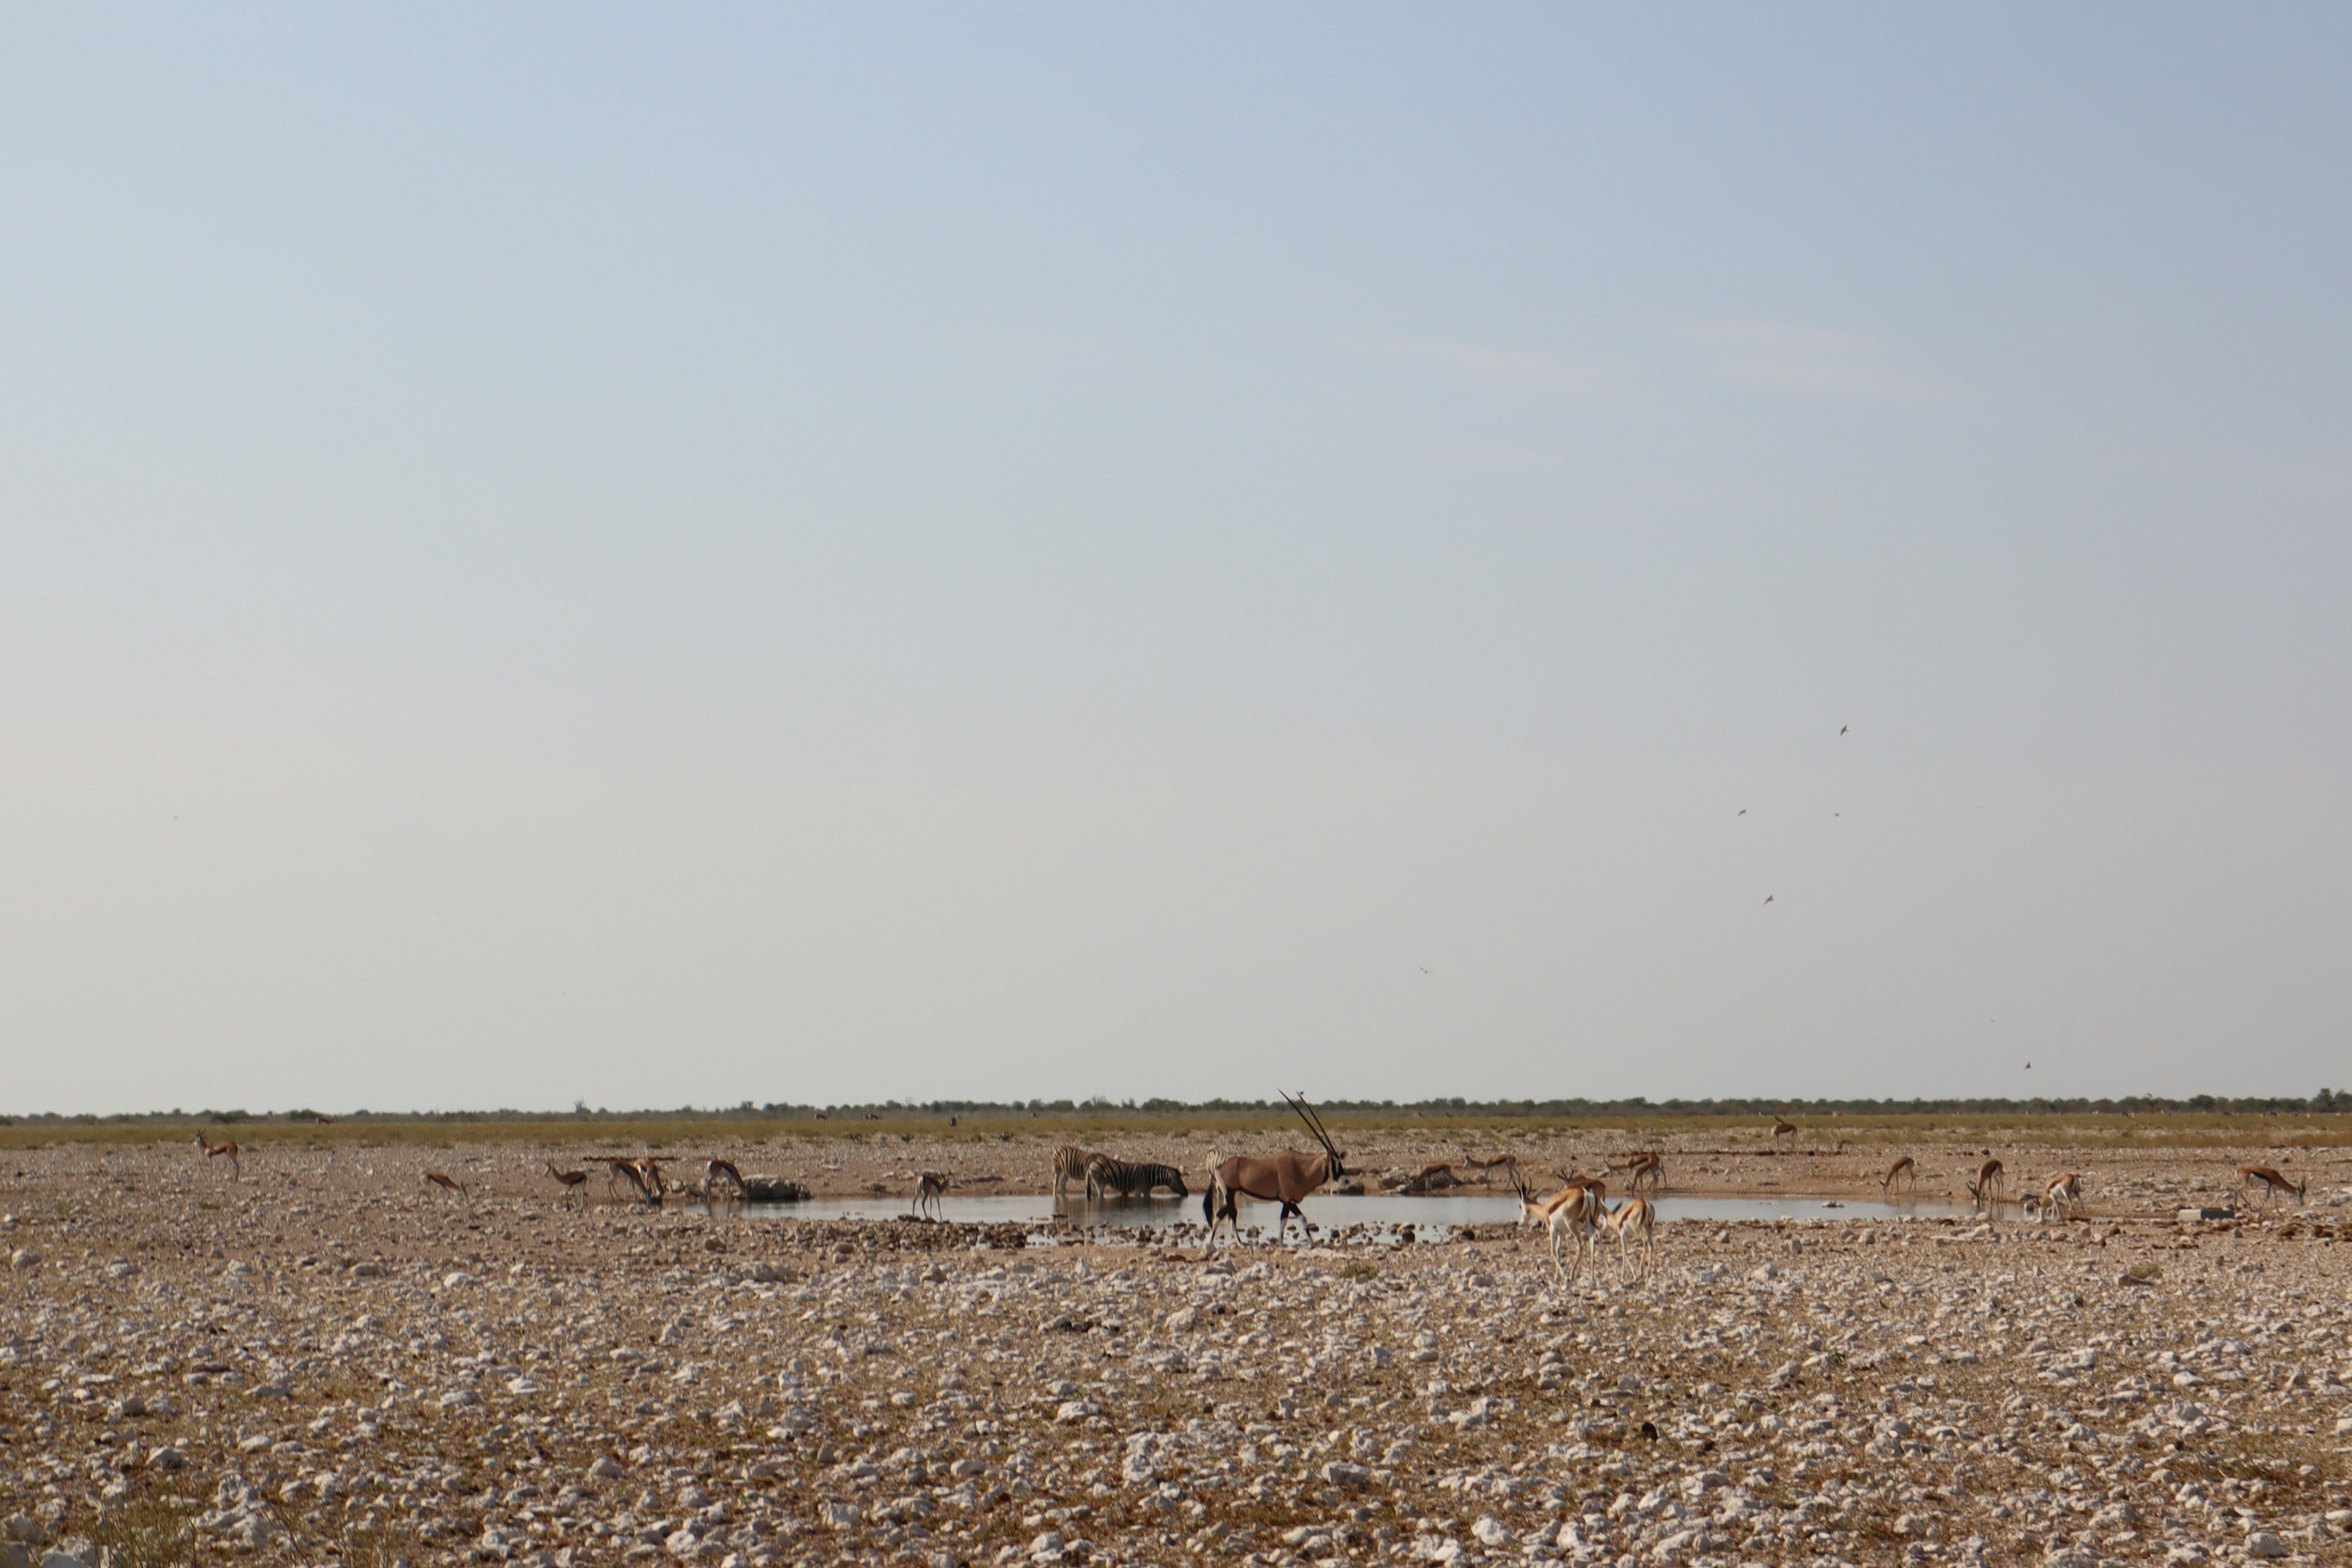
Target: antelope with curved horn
{"x":1904,"y":1170}
{"x":1284,"y":1177}
{"x":1782,"y":1127}
{"x":1571,"y":1214}
{"x":446,"y":1182}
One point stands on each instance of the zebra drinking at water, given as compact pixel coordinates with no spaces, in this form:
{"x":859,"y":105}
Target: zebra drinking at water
{"x":1111,"y":1177}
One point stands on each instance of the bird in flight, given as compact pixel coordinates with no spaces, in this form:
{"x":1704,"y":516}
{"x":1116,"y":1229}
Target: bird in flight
{"x":1768,"y":898}
{"x":1424,"y":969}
{"x":2029,"y":1067}
{"x":1743,"y":811}
{"x":1843,"y":728}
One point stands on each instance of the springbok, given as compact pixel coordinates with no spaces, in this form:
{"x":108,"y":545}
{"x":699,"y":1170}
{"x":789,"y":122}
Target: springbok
{"x":1636,"y":1220}
{"x":1904,"y":1170}
{"x":1646,"y":1167}
{"x":718,"y":1173}
{"x":1571,"y":1214}
{"x":214,"y":1151}
{"x":2060,"y":1193}
{"x":1988,"y":1186}
{"x":929,"y":1186}
{"x":574,"y":1180}
{"x":1487,"y":1168}
{"x":450,"y":1183}
{"x":1782,"y":1127}
{"x":2273,"y":1183}
{"x":1284,"y":1178}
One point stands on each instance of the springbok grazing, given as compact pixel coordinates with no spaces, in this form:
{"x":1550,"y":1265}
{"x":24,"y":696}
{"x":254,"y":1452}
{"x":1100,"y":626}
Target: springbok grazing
{"x":1284,"y":1178}
{"x":1989,"y":1183}
{"x":1570,"y":1214}
{"x":718,"y":1175}
{"x":574,"y":1180}
{"x":2273,"y":1183}
{"x":2060,"y":1193}
{"x":1635,"y":1221}
{"x":1108,"y":1177}
{"x":1487,"y":1168}
{"x":1644,"y":1167}
{"x":929,"y":1186}
{"x":449,"y":1184}
{"x":214,"y":1150}
{"x":1070,"y":1163}
{"x":1904,"y":1170}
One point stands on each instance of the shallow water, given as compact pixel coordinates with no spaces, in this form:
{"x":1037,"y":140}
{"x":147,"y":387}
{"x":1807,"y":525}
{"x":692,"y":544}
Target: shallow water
{"x":1432,"y":1218}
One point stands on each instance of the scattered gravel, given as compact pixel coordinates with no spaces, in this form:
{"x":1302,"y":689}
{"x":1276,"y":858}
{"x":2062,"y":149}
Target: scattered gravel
{"x":328,"y":1362}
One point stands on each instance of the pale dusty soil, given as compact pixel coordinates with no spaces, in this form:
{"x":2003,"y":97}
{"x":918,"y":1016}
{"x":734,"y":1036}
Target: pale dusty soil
{"x":331,"y":1363}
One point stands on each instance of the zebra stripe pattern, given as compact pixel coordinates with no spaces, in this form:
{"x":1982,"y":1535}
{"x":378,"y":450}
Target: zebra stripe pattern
{"x":1119,"y":1178}
{"x":1070,"y":1163}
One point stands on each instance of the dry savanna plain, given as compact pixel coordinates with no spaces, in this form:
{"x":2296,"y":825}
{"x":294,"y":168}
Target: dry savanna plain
{"x":321,"y":1357}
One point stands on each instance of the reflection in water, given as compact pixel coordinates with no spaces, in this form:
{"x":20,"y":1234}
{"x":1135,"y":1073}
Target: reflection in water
{"x":1432,"y":1219}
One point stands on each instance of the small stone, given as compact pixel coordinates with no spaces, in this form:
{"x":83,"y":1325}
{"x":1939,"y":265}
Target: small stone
{"x":2264,"y":1543}
{"x":1491,"y":1532}
{"x":608,"y":1469}
{"x":24,"y":1258}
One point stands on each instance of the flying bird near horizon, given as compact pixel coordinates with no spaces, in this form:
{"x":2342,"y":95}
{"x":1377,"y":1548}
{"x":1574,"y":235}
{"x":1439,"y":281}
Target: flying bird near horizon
{"x":1843,"y":728}
{"x":1743,"y":811}
{"x":1768,"y":898}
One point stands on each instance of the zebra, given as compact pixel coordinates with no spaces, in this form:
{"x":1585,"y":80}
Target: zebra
{"x":1070,"y":1163}
{"x":1119,"y":1178}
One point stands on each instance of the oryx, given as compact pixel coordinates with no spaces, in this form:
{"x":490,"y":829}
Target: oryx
{"x":1282,"y":1178}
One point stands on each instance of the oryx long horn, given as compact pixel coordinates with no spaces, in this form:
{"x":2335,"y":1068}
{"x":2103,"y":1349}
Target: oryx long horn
{"x":1315,"y":1124}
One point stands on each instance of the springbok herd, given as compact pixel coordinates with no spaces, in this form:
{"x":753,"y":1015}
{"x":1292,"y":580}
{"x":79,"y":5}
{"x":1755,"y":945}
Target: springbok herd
{"x":337,"y":1358}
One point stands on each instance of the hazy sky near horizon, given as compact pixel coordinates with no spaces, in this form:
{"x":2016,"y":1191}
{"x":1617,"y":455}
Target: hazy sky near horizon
{"x":662,"y":556}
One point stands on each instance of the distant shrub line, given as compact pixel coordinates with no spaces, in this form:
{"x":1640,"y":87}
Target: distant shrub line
{"x":2326,"y":1100}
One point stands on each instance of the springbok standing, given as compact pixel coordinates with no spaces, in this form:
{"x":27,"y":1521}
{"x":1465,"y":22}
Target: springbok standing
{"x":1571,"y":1214}
{"x":1783,"y":1128}
{"x":928,"y":1187}
{"x":214,"y":1151}
{"x":1635,"y":1221}
{"x":574,"y":1180}
{"x":1285,"y":1178}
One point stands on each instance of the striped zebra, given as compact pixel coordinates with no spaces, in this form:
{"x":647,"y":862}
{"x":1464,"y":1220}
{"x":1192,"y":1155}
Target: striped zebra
{"x":1070,"y":1163}
{"x":1123,"y":1179}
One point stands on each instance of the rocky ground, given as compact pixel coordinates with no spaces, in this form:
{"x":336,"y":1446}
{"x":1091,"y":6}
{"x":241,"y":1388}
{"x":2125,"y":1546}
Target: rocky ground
{"x":330,"y":1362}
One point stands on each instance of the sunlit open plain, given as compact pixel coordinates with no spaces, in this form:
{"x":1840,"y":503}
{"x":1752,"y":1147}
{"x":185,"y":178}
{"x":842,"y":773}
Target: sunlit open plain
{"x":321,"y":1357}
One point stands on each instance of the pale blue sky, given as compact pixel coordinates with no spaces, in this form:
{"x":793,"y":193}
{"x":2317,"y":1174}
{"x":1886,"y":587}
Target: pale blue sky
{"x":666,"y":556}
